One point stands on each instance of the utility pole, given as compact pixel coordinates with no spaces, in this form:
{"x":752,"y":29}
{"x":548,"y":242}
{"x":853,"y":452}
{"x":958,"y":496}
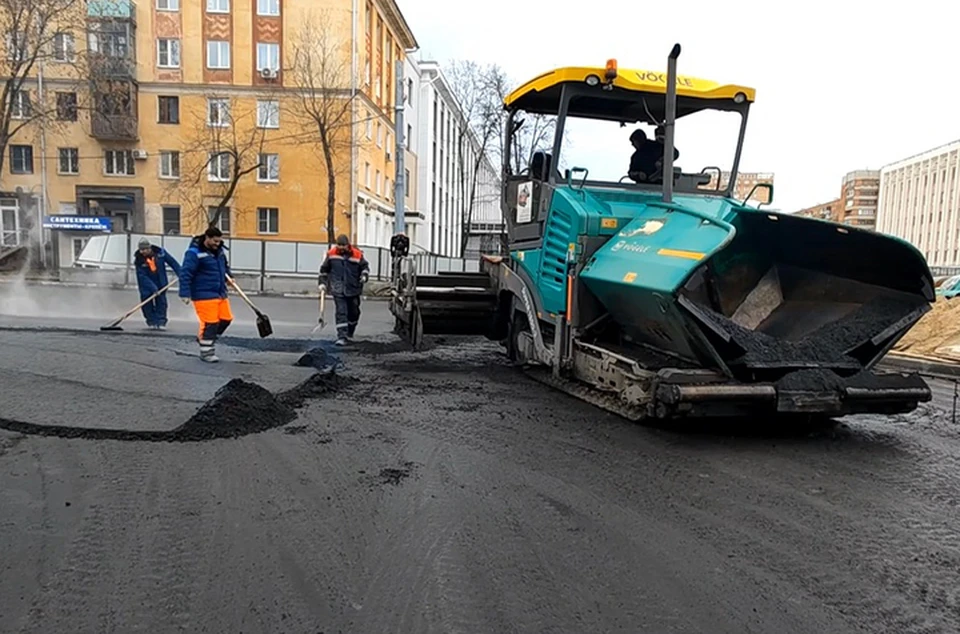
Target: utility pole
{"x":42,"y":210}
{"x":399,"y":180}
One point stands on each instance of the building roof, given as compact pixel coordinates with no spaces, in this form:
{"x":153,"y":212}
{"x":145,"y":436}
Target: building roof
{"x":399,"y":23}
{"x":922,"y":156}
{"x":542,"y":93}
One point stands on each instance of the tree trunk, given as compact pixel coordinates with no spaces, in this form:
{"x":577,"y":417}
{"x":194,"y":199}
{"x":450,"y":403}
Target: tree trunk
{"x":331,"y":190}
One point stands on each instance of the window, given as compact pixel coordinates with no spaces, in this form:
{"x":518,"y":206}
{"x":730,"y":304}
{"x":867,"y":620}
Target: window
{"x":269,"y":170}
{"x":406,"y":183}
{"x":168,"y":5}
{"x":369,"y":125}
{"x":171,"y":220}
{"x":268,"y":7}
{"x":409,"y":134}
{"x":268,"y":220}
{"x":118,"y":163}
{"x":218,"y":112}
{"x":68,"y":160}
{"x":168,"y":53}
{"x":64,"y":47}
{"x":169,"y":164}
{"x":21,"y":159}
{"x":168,"y":109}
{"x":218,"y":55}
{"x":218,"y":6}
{"x":268,"y":56}
{"x":386,"y":188}
{"x":268,"y":114}
{"x":20,"y":107}
{"x":224,"y":221}
{"x":17,"y":46}
{"x":218,"y":167}
{"x":410,"y":91}
{"x":366,"y":175}
{"x":67,"y":106}
{"x":378,"y":190}
{"x":379,"y":135}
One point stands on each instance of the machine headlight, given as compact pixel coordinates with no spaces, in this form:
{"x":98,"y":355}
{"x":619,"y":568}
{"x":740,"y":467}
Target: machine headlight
{"x":740,"y":97}
{"x":592,"y":80}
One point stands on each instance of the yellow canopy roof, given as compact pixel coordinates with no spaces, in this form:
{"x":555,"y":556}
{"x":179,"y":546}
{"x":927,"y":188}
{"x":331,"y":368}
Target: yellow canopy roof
{"x":545,"y":88}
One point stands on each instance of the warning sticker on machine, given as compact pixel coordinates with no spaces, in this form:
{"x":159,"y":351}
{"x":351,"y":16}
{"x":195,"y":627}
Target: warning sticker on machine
{"x":525,"y":202}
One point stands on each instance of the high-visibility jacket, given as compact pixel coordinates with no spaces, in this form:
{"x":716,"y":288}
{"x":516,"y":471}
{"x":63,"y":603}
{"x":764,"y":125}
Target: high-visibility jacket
{"x":344,"y":272}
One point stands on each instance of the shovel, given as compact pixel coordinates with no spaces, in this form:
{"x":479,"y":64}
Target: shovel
{"x":322,"y":320}
{"x":263,"y":322}
{"x":115,"y":325}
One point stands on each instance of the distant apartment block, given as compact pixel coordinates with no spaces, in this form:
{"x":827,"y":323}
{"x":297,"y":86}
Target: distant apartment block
{"x":746,"y":181}
{"x":919,"y":201}
{"x":830,"y":210}
{"x":856,"y":205}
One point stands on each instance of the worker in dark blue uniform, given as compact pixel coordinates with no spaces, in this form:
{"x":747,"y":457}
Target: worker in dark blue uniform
{"x":344,"y":272}
{"x":151,"y":264}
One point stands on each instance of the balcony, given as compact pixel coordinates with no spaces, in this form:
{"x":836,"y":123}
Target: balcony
{"x":114,"y":127}
{"x":112,"y":67}
{"x":112,"y":10}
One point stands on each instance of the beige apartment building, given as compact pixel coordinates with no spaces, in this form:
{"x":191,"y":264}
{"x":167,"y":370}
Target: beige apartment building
{"x":856,"y":205}
{"x":746,"y":181}
{"x":919,"y":202}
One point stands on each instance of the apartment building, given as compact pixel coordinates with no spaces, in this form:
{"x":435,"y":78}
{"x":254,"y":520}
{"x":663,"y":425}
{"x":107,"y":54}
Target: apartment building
{"x":919,"y":201}
{"x":859,"y":195}
{"x":447,"y":203}
{"x":180,"y":95}
{"x":831,"y":210}
{"x":746,"y":181}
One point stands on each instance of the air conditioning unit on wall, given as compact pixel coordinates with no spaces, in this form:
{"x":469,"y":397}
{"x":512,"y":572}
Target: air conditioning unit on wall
{"x":268,"y":73}
{"x":140,"y":155}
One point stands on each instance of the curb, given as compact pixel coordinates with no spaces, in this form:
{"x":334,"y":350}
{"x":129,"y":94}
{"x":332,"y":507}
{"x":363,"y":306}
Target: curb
{"x":935,"y":369}
{"x":128,"y":287}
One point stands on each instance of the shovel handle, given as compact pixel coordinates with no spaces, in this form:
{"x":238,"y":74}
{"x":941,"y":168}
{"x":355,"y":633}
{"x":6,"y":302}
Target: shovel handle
{"x":243,"y":295}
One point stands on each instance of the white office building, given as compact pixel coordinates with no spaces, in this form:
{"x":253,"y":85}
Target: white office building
{"x":920,"y":203}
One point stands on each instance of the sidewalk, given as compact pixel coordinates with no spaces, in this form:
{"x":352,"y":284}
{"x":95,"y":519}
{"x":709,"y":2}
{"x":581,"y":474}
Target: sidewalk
{"x":926,"y":366}
{"x":376,"y":290}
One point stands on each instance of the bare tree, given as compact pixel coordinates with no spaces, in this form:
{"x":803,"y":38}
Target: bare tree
{"x":225,"y":148}
{"x":35,"y":33}
{"x":474,"y":86}
{"x":321,"y":76}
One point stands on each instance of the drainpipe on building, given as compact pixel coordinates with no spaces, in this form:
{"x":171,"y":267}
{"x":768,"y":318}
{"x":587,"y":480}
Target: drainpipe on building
{"x":399,"y":219}
{"x":42,"y":208}
{"x":354,"y":66}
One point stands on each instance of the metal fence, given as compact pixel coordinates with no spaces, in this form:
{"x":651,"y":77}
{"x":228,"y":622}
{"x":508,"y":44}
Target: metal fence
{"x":264,"y":258}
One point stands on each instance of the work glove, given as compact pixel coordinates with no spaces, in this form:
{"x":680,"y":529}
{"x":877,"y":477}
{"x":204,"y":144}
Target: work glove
{"x":185,"y":300}
{"x":363,"y":278}
{"x":322,"y":288}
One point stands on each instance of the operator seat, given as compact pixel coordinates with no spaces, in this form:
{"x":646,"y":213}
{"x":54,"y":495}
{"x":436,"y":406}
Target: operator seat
{"x":540,"y":166}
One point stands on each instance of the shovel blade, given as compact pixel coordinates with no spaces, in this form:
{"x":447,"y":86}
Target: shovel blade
{"x":264,"y":327}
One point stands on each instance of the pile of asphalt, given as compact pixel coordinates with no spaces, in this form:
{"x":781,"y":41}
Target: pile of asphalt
{"x":237,"y":409}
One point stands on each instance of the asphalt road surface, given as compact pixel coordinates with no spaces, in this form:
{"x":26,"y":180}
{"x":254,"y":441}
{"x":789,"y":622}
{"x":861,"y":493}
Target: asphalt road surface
{"x":441,"y":492}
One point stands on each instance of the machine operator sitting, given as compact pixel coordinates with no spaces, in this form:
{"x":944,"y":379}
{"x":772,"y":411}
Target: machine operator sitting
{"x":647,"y":158}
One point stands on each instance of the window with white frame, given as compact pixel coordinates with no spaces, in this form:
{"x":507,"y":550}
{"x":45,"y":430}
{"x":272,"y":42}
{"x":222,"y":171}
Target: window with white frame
{"x":379,"y":135}
{"x":223,"y":222}
{"x":118,"y":163}
{"x":168,"y":53}
{"x":218,"y":6}
{"x":218,"y":167}
{"x":218,"y":55}
{"x":17,"y":46}
{"x":168,"y":5}
{"x":20,"y":107}
{"x":268,"y":114}
{"x":386,"y":188}
{"x":268,"y":220}
{"x":218,"y":112}
{"x":269,"y":170}
{"x":378,"y":190}
{"x":68,"y":160}
{"x":268,"y":56}
{"x":268,"y":7}
{"x":21,"y":159}
{"x":64,"y":47}
{"x":366,"y":175}
{"x":169,"y":164}
{"x":369,"y":125}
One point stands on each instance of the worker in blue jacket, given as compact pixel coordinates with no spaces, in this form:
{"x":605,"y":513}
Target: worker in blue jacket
{"x":151,"y":263}
{"x":344,"y":272}
{"x":203,"y":281}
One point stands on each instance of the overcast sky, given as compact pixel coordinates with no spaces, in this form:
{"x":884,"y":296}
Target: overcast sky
{"x":841,"y":85}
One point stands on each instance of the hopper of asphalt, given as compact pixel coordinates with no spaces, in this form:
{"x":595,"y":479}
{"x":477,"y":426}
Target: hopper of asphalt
{"x":116,"y":381}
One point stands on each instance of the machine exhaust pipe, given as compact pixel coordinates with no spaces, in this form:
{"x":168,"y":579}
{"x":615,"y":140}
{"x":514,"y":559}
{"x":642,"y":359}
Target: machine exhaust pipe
{"x":671,"y":117}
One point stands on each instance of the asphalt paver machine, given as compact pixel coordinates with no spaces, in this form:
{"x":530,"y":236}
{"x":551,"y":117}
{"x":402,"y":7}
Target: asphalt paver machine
{"x":668,"y":297}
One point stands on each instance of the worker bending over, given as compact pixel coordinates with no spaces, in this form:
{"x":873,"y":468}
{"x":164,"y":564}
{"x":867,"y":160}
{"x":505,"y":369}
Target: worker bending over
{"x":151,"y":264}
{"x":344,"y":271}
{"x":203,"y":280}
